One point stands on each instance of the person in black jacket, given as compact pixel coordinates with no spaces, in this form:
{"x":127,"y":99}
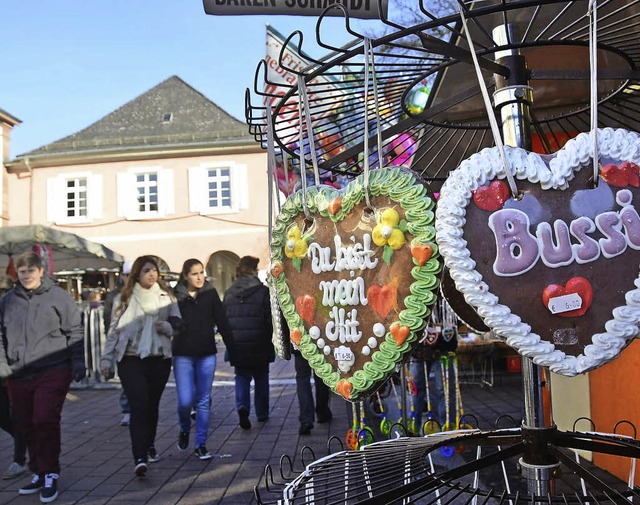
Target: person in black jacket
{"x":249,"y":312}
{"x":194,"y":352}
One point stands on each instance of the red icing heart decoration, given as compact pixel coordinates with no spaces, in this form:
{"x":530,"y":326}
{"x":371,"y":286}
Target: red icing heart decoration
{"x":505,"y":256}
{"x":493,"y":196}
{"x":577,"y":285}
{"x":306,"y":306}
{"x":382,"y":298}
{"x":348,"y":275}
{"x":623,"y":175}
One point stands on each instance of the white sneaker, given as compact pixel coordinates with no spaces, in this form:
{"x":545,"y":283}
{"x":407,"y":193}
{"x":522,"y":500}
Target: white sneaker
{"x":14,"y":470}
{"x":125,"y":420}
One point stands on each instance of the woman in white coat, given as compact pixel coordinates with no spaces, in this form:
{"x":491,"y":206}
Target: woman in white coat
{"x":145,"y":316}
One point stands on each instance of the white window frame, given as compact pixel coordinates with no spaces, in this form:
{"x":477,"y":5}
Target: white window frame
{"x":57,"y":198}
{"x":199,"y":188}
{"x":128,"y":204}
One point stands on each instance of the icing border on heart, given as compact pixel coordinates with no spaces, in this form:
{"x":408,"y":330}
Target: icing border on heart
{"x":457,"y":193}
{"x":403,"y":188}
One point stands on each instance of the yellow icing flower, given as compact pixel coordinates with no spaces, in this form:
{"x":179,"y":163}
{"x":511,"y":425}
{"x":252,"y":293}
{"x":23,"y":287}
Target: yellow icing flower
{"x":295,"y":247}
{"x":386,"y":231}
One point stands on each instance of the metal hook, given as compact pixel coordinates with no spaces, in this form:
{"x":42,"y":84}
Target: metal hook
{"x":624,"y":421}
{"x":333,"y":438}
{"x":283,"y":458}
{"x":584,"y":418}
{"x":308,"y":449}
{"x":507,"y":417}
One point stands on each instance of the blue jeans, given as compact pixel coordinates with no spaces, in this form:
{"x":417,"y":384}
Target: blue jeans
{"x":260,"y":377}
{"x":194,"y":376}
{"x":437,"y":394}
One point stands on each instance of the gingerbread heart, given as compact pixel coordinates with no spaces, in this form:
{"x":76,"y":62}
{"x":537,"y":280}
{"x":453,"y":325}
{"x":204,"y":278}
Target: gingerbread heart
{"x":358,"y":267}
{"x":503,"y":260}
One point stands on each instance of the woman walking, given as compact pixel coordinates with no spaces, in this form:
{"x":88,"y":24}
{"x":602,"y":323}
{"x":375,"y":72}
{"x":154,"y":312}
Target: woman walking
{"x":43,"y":350}
{"x":249,"y":312}
{"x":194,"y":352}
{"x":145,"y":316}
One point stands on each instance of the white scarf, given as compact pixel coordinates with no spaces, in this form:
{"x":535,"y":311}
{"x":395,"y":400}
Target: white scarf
{"x":137,"y":323}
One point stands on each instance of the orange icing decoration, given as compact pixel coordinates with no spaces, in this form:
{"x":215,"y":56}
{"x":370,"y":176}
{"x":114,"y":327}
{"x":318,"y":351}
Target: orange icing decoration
{"x":276,"y":270}
{"x":399,"y":333}
{"x":335,"y":205}
{"x":344,"y":387}
{"x":422,"y":253}
{"x":296,"y":335}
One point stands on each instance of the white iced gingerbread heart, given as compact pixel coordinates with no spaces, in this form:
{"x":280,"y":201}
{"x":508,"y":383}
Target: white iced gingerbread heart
{"x":355,"y":283}
{"x":556,"y":272}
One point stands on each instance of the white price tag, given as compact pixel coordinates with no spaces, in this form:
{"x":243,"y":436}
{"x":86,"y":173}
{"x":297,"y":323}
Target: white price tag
{"x":565,"y":303}
{"x":343,"y":354}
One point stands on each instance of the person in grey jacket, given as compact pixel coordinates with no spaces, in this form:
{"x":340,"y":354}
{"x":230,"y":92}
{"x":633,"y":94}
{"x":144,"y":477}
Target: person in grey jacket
{"x":43,"y":349}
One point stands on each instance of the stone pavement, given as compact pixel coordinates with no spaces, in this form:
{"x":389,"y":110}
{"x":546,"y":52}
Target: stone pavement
{"x":97,"y":466}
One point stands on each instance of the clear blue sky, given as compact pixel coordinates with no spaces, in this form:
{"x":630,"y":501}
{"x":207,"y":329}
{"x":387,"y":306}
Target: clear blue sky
{"x":67,"y":63}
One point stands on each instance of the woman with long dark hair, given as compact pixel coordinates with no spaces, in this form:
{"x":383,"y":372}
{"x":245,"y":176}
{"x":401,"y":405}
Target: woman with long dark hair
{"x":145,"y":316}
{"x":194,"y":352}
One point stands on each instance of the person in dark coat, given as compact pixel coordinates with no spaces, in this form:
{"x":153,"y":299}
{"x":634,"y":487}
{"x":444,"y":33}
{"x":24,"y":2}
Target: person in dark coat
{"x":194,"y":352}
{"x":249,"y":312}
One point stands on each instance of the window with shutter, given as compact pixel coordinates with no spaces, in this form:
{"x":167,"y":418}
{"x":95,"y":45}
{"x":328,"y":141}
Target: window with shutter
{"x":217,"y":188}
{"x":145,"y":193}
{"x":74,"y":198}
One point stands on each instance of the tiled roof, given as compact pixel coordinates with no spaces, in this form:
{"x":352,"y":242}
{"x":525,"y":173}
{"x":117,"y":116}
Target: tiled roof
{"x":170,"y":114}
{"x":8,"y":118}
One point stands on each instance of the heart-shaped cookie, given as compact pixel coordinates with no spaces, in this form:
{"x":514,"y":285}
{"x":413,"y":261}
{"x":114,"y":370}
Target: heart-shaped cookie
{"x":554,"y":273}
{"x":372,"y":295}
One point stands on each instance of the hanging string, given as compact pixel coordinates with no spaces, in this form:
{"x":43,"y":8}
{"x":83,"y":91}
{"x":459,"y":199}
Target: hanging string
{"x":487,"y":103}
{"x":302,"y":87}
{"x":376,"y":102}
{"x":271,"y":170}
{"x":365,"y":161}
{"x":285,"y":166}
{"x":303,"y":168}
{"x":593,"y":66}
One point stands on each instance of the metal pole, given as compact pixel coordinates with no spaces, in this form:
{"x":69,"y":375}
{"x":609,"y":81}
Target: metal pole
{"x":513,"y":97}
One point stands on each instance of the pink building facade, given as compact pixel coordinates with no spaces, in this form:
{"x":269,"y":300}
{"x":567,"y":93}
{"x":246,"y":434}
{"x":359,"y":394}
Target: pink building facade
{"x":168,"y":174}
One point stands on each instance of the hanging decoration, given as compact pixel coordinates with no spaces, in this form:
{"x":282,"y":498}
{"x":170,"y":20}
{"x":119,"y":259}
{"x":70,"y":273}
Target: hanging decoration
{"x":574,"y":246}
{"x":353,"y":293}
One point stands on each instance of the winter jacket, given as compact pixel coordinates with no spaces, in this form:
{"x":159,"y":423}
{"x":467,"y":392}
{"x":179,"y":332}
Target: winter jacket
{"x":115,"y":347}
{"x":201,"y":315}
{"x":41,"y":330}
{"x":249,"y":312}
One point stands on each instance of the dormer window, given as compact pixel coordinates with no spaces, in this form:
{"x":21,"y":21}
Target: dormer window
{"x":167,"y":117}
